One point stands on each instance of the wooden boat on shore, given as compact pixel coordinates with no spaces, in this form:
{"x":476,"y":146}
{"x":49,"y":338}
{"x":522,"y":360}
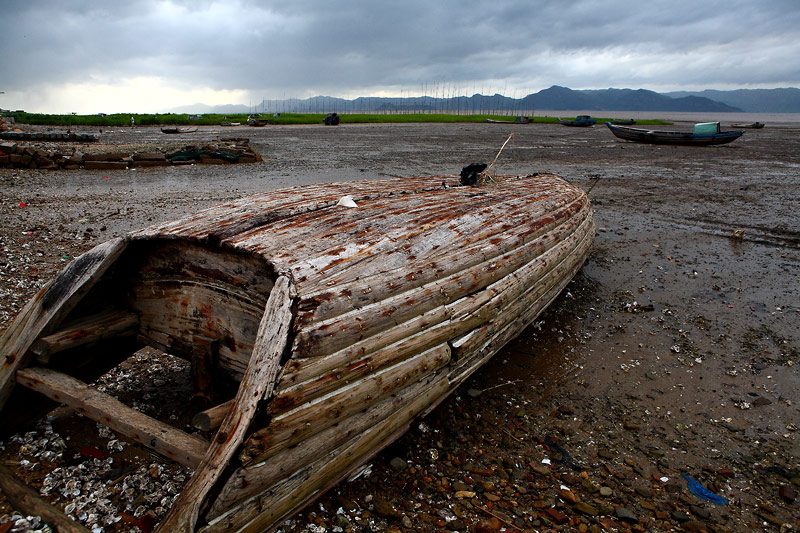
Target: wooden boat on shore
{"x":673,"y":137}
{"x":341,"y":313}
{"x":178,"y":130}
{"x":517,"y":120}
{"x":581,"y":121}
{"x":750,"y":125}
{"x":620,"y":122}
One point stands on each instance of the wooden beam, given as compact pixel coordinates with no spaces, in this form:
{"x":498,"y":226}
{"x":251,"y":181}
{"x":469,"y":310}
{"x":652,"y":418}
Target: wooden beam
{"x":101,"y":326}
{"x":257,"y":384}
{"x":49,"y":307}
{"x":163,"y":438}
{"x":26,"y":500}
{"x":211,"y":418}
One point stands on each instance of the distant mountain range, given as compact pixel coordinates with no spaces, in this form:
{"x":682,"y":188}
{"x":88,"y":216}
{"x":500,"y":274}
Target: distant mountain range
{"x":752,"y":100}
{"x":555,"y":98}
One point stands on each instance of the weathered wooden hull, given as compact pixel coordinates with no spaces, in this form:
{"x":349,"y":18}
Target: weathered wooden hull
{"x":341,"y":325}
{"x":673,"y":137}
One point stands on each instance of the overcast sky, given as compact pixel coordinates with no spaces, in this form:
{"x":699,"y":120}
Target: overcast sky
{"x":60,"y":56}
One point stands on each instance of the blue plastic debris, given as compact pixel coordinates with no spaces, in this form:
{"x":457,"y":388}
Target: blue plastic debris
{"x":700,"y":491}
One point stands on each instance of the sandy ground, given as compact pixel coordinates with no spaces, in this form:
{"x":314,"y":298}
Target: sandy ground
{"x":676,"y":350}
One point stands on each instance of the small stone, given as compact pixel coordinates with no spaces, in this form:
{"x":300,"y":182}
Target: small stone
{"x":473,"y":393}
{"x":625,"y":515}
{"x":680,"y":516}
{"x":541,"y":470}
{"x":695,"y":527}
{"x":569,"y":496}
{"x":462,"y":494}
{"x":398,"y":464}
{"x":488,"y":525}
{"x":566,"y":410}
{"x":605,"y":492}
{"x":556,"y":516}
{"x":630,"y":425}
{"x":385,"y":508}
{"x":459,"y":485}
{"x":726,"y":472}
{"x":761,"y":401}
{"x":787,"y":493}
{"x":585,"y":508}
{"x":492,"y":497}
{"x":644,"y":492}
{"x":700,"y":512}
{"x":406,"y":521}
{"x":606,"y":454}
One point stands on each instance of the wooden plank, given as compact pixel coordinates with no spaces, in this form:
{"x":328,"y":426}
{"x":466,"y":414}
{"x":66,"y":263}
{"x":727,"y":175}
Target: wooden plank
{"x":443,"y":323}
{"x":447,"y":229}
{"x":49,"y":307}
{"x":309,"y":418}
{"x":512,"y":303}
{"x":212,"y":418}
{"x":322,"y":338}
{"x":175,"y":313}
{"x":28,"y":502}
{"x":163,"y":438}
{"x":399,"y":408}
{"x":98,"y":327}
{"x":257,"y":384}
{"x":263,"y":511}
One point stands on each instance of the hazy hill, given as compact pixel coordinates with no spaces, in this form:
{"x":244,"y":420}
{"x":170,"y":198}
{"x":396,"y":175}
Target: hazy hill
{"x":786,"y":100}
{"x":555,"y":98}
{"x":623,"y":100}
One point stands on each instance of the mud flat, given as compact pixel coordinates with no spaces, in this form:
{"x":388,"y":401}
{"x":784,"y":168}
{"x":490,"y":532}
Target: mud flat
{"x":675,"y":351}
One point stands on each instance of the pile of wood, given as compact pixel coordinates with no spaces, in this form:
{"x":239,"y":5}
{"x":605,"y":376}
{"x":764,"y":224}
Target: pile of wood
{"x":228,"y":151}
{"x":48,"y":136}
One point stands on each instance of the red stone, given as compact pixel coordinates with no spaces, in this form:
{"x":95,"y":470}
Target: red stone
{"x":787,"y":493}
{"x":556,"y":516}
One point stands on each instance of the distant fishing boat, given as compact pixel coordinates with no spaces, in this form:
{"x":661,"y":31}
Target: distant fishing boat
{"x":705,"y":134}
{"x":751,"y":125}
{"x":581,"y":121}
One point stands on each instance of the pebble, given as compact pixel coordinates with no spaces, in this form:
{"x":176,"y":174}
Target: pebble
{"x":556,"y":516}
{"x":625,"y":515}
{"x":586,"y":508}
{"x":605,"y":492}
{"x":787,"y":493}
{"x":695,"y":527}
{"x":398,"y":464}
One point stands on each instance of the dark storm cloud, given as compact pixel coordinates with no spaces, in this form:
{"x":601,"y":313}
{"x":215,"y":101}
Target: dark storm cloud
{"x":297,"y":47}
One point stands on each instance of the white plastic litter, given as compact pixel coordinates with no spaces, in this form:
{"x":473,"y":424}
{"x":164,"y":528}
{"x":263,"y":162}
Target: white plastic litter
{"x":347,"y":201}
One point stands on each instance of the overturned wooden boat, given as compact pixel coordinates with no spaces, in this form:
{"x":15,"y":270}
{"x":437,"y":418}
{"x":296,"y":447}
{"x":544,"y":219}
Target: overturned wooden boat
{"x":342,"y":311}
